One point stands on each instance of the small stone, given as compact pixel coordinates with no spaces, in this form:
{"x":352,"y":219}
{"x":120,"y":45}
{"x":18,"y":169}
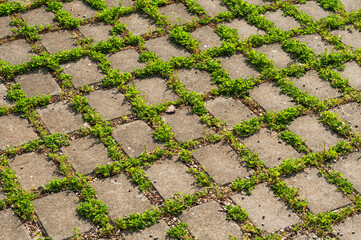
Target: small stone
{"x":171,"y":109}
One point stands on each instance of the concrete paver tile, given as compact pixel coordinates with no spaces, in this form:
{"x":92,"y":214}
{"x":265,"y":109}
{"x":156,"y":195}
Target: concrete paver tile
{"x":38,"y":16}
{"x":170,"y":176}
{"x":11,"y":226}
{"x":157,"y":231}
{"x":165,"y":49}
{"x":97,"y":31}
{"x":58,"y":41}
{"x":265,"y":210}
{"x":121,"y":197}
{"x":177,"y":14}
{"x":135,"y":137}
{"x":244,"y":29}
{"x":138,"y":24}
{"x":257,"y":2}
{"x":207,"y":38}
{"x":285,"y":23}
{"x":115,"y":3}
{"x":5,"y":27}
{"x":3,"y":92}
{"x":270,"y":148}
{"x":79,"y":9}
{"x":313,"y":9}
{"x":15,"y":131}
{"x":109,"y":103}
{"x":275,"y":53}
{"x":85,"y":153}
{"x":321,"y":195}
{"x":125,"y":61}
{"x":349,"y":229}
{"x":317,"y":137}
{"x":16,"y":52}
{"x":352,"y":72}
{"x":349,"y":37}
{"x":221,"y":162}
{"x":2,"y":195}
{"x":351,"y":113}
{"x":34,"y":170}
{"x":316,"y":43}
{"x":208,"y":221}
{"x":59,"y":216}
{"x":237,"y":66}
{"x":351,"y":5}
{"x":212,"y":7}
{"x":196,"y":80}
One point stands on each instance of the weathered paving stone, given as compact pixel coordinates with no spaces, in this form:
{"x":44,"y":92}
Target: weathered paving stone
{"x":270,"y":148}
{"x":270,"y":97}
{"x":312,"y":84}
{"x":165,"y":49}
{"x":170,"y":176}
{"x":212,"y":7}
{"x":121,"y":197}
{"x":208,"y":221}
{"x":157,"y":231}
{"x":317,"y":137}
{"x":351,"y":5}
{"x":177,"y":14}
{"x":85,"y":153}
{"x":221,"y":162}
{"x":350,"y":167}
{"x":154,"y":90}
{"x":185,"y":125}
{"x":84,"y":72}
{"x":115,"y":3}
{"x":34,"y":170}
{"x":59,"y":216}
{"x":61,"y":117}
{"x":275,"y":53}
{"x":316,"y":43}
{"x":257,"y":2}
{"x":3,"y":93}
{"x":321,"y":195}
{"x":351,"y":113}
{"x":207,"y":38}
{"x":16,"y":52}
{"x":138,"y":24}
{"x":11,"y":226}
{"x":58,"y":41}
{"x":349,"y":37}
{"x":237,"y":66}
{"x":5,"y":27}
{"x":79,"y":9}
{"x":265,"y":210}
{"x":97,"y":31}
{"x":230,"y":110}
{"x":2,"y":195}
{"x":313,"y":9}
{"x":352,"y":72}
{"x":38,"y":16}
{"x":109,"y":103}
{"x":39,"y":82}
{"x":285,"y":23}
{"x":135,"y":137}
{"x":125,"y":61}
{"x":196,"y":80}
{"x":244,"y":30}
{"x":349,"y":229}
{"x":15,"y":131}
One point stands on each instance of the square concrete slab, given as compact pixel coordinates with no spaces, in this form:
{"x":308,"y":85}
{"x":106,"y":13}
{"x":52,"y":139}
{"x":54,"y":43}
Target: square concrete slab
{"x":154,"y":90}
{"x":270,"y":148}
{"x":11,"y":226}
{"x":212,"y":7}
{"x":349,"y":37}
{"x":155,"y":232}
{"x":196,"y":80}
{"x":138,"y":24}
{"x":59,"y":216}
{"x":135,"y":138}
{"x":350,"y":113}
{"x":350,"y":167}
{"x":352,"y":72}
{"x":230,"y":110}
{"x":351,"y":5}
{"x":207,"y":38}
{"x":317,"y":137}
{"x":34,"y":170}
{"x":98,"y":31}
{"x":274,"y":52}
{"x":312,"y":84}
{"x":177,"y":14}
{"x":185,"y":125}
{"x":121,"y":197}
{"x":243,"y":28}
{"x":15,"y":131}
{"x":38,"y":83}
{"x":321,"y":195}
{"x":85,"y":153}
{"x":170,"y":177}
{"x":115,"y":3}
{"x":316,"y":43}
{"x":58,"y":41}
{"x":313,"y":9}
{"x":5,"y":27}
{"x":79,"y":9}
{"x":285,"y":23}
{"x":221,"y":162}
{"x":237,"y":66}
{"x":349,"y":229}
{"x":84,"y":72}
{"x":165,"y":49}
{"x":265,"y":210}
{"x":16,"y":52}
{"x":3,"y":92}
{"x":2,"y":195}
{"x":109,"y":103}
{"x":270,"y":97}
{"x":126,"y":60}
{"x":38,"y":16}
{"x":208,"y":221}
{"x":61,"y":118}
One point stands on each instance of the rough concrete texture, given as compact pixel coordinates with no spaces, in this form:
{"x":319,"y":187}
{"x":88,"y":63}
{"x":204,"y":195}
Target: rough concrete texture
{"x":177,"y":14}
{"x":275,"y":53}
{"x":207,"y":38}
{"x":351,"y":114}
{"x":16,"y":52}
{"x":165,"y":49}
{"x":258,"y":2}
{"x":244,"y":29}
{"x":212,"y":7}
{"x":11,"y":226}
{"x":38,"y":16}
{"x":350,"y":228}
{"x":58,"y":41}
{"x":285,"y":23}
{"x":238,"y":67}
{"x":316,"y":43}
{"x":97,"y":31}
{"x":155,"y":232}
{"x":138,"y":24}
{"x":125,"y":61}
{"x":195,"y":80}
{"x":115,"y":3}
{"x":5,"y":27}
{"x":349,"y":36}
{"x":3,"y":92}
{"x":313,"y":9}
{"x":351,"y":5}
{"x":352,"y":72}
{"x":79,"y":9}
